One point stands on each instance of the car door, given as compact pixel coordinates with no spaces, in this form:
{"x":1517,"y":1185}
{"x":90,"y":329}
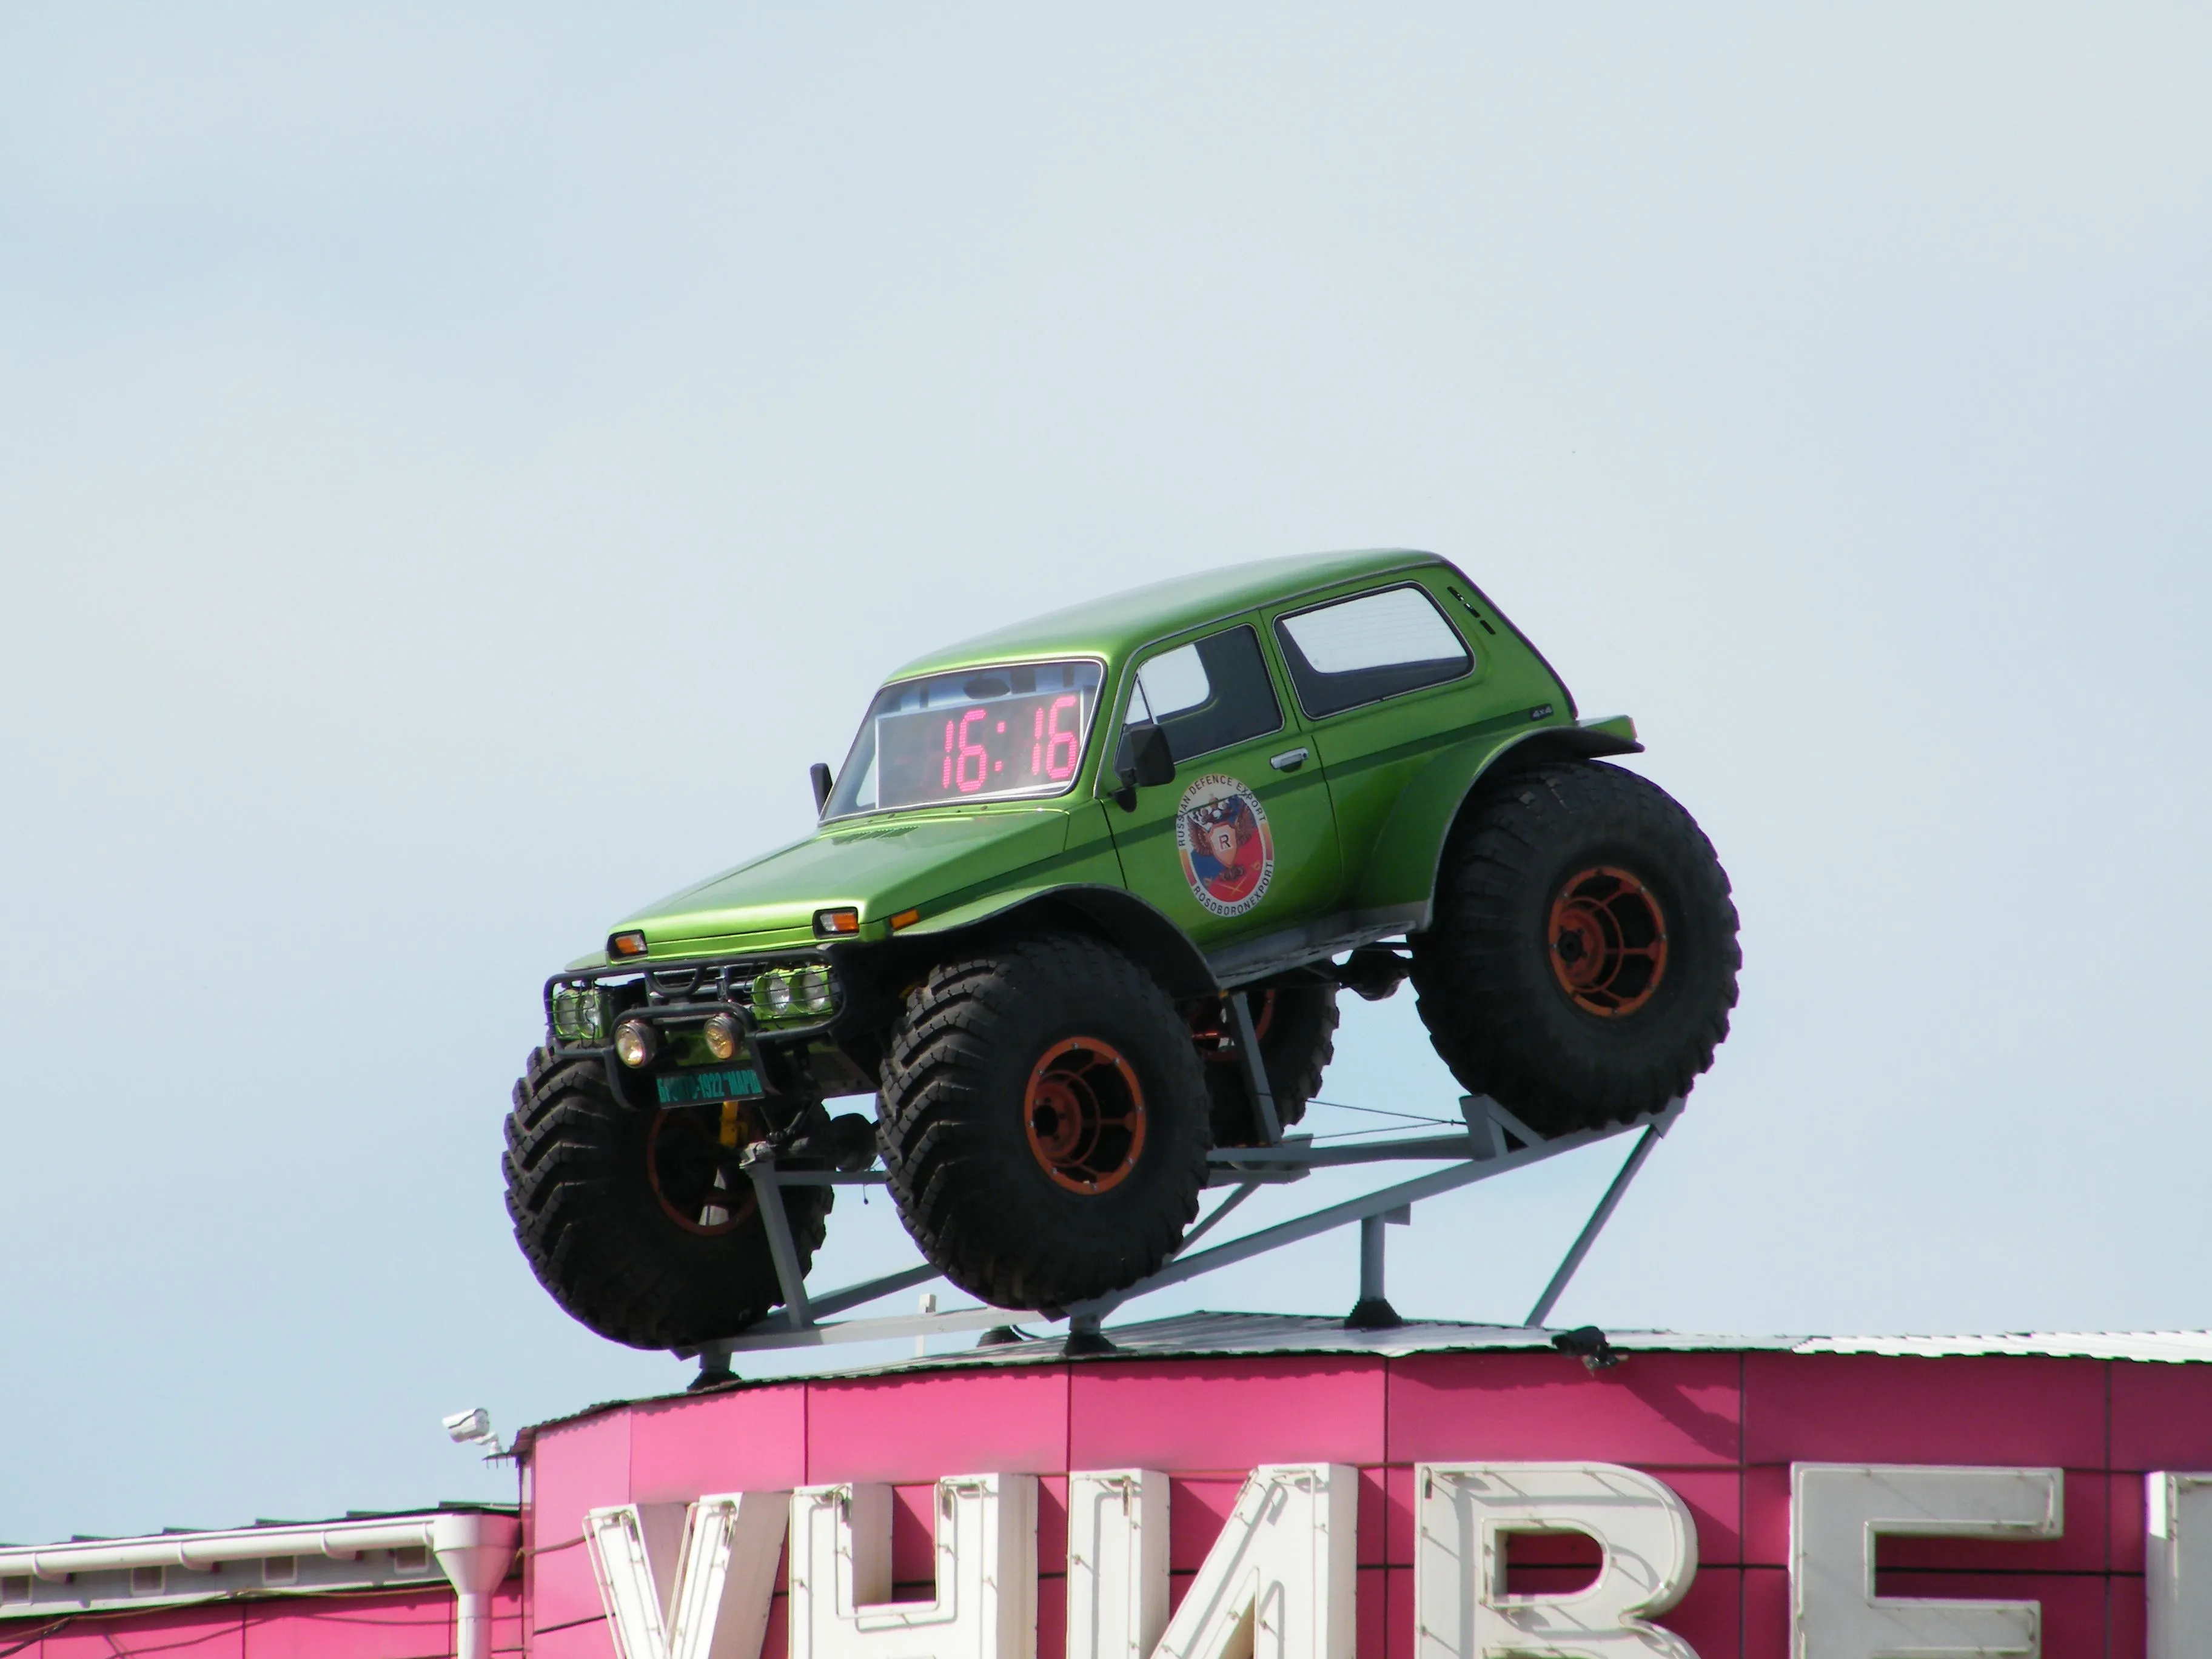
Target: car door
{"x":1384,"y":679}
{"x":1243,"y":843}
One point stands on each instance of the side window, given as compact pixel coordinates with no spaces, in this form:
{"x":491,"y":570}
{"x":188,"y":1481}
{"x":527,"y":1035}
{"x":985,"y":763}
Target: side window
{"x":1209,"y":694}
{"x":1362,"y":650}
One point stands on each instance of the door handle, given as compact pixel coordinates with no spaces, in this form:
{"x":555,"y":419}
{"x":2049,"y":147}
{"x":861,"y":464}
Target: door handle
{"x":1290,"y":759}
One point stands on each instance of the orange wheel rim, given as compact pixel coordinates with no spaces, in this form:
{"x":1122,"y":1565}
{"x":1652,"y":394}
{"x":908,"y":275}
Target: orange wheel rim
{"x":1084,"y":1113}
{"x":693,"y":1178}
{"x":1607,"y":937}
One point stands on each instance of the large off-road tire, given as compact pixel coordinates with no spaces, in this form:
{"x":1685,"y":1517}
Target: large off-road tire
{"x":1581,"y":960}
{"x":616,"y":1210}
{"x":1296,"y":1026}
{"x":1044,"y":1121}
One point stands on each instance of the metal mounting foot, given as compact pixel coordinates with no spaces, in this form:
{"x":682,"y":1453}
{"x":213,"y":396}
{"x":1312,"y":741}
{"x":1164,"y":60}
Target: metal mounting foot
{"x":1084,"y":1337}
{"x":1373,"y":1311}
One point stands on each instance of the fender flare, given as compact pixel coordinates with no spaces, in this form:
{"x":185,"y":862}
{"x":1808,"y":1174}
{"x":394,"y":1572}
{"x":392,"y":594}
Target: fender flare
{"x":1413,"y":836}
{"x":1136,"y":928}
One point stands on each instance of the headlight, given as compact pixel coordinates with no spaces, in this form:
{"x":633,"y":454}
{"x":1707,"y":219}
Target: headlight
{"x":579,"y":1014}
{"x":772,"y":993}
{"x":722,"y":1036}
{"x":810,"y":990}
{"x":635,"y":1043}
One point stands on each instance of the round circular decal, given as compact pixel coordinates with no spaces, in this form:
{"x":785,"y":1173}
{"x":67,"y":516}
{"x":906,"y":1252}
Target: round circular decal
{"x":1228,"y":854}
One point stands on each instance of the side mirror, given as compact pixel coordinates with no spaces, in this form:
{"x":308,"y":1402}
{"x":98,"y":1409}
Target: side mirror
{"x":1144,"y":761}
{"x":819,"y":775}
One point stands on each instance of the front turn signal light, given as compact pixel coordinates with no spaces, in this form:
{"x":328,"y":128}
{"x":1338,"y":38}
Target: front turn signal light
{"x":905,"y":919}
{"x":836,"y":921}
{"x":626,"y":945}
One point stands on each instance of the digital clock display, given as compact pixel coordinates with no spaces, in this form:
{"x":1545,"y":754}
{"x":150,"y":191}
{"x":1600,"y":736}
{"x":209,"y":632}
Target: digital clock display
{"x":1012,"y":746}
{"x":976,"y":734}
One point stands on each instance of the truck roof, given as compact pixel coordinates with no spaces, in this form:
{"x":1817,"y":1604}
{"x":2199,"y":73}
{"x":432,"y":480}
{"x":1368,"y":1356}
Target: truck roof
{"x":1123,"y":621}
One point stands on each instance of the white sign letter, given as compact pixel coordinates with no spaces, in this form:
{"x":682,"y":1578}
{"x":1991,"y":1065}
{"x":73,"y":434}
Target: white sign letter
{"x":1838,"y":1509}
{"x":1117,"y":1563}
{"x":1280,"y":1581}
{"x":1462,"y":1609}
{"x":689,"y":1584}
{"x":840,"y":1574}
{"x":2178,"y":1581}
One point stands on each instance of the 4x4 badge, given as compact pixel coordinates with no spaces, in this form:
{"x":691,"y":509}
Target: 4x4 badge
{"x":1228,"y":852}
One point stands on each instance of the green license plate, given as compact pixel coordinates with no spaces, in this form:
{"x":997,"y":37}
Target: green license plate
{"x":736,"y":1083}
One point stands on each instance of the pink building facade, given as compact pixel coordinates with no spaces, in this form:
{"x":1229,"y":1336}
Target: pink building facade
{"x":1721,"y":1423}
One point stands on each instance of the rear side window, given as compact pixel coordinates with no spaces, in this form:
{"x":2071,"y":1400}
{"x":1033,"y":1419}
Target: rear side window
{"x":1209,"y":694}
{"x":1364,"y":649}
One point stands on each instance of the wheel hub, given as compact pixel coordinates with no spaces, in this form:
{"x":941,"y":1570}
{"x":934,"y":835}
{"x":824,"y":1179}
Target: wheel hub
{"x":1084,"y":1113}
{"x":690,"y":1159}
{"x":1608,"y":940}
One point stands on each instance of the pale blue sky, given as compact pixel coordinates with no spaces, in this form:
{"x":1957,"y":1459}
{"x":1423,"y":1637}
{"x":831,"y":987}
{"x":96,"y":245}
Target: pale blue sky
{"x":458,"y":464}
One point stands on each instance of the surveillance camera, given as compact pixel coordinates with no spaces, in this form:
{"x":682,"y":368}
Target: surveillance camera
{"x":470,"y":1426}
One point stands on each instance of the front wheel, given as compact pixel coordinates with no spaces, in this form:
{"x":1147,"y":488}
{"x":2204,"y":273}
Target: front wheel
{"x":1582,"y":960}
{"x":639,"y":1221}
{"x":1044,"y":1122}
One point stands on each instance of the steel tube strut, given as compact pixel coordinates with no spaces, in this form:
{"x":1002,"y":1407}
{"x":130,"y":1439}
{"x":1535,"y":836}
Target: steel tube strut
{"x":1596,"y":1225}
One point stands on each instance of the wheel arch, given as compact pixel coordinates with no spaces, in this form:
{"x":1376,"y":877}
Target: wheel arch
{"x":1403,"y":867}
{"x":1132,"y":926}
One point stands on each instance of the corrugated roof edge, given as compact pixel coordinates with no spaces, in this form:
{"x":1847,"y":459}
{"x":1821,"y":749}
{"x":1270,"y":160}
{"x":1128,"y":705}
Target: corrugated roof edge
{"x":1203,"y":1335}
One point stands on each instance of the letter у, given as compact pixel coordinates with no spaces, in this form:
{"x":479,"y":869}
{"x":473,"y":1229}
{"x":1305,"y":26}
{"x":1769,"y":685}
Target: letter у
{"x":1461,"y":1608}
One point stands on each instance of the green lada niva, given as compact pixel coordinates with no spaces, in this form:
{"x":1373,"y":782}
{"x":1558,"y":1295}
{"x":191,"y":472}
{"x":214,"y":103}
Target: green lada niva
{"x":1054,"y":859}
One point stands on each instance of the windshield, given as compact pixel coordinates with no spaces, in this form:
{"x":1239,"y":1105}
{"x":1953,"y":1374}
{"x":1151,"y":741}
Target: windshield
{"x":981,"y":734}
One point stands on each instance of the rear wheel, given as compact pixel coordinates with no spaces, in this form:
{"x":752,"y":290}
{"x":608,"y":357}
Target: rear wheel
{"x":1044,"y":1122}
{"x":1296,"y":1027}
{"x":1581,"y":960}
{"x":640,"y":1222}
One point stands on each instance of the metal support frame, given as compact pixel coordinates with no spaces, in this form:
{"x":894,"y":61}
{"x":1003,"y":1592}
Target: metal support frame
{"x":1495,"y":1142}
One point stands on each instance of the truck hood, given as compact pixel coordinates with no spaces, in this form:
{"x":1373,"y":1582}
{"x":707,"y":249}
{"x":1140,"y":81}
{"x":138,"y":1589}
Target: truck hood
{"x":878,"y":867}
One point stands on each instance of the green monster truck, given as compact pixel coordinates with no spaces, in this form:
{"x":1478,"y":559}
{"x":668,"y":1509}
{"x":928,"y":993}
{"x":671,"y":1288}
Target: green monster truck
{"x":1050,"y":857}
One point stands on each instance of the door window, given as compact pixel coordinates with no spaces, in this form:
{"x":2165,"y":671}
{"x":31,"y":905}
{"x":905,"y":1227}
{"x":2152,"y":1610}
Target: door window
{"x":1364,"y":649}
{"x":1209,"y":694}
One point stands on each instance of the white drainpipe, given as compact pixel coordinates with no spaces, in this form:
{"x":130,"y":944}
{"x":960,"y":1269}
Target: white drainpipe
{"x":476,"y":1551}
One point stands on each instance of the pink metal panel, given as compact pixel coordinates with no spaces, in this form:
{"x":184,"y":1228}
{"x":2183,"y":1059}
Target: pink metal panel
{"x":914,"y":1542}
{"x":565,"y":1592}
{"x":1374,"y":1519}
{"x":1765,"y":1614}
{"x":579,"y":1467}
{"x":1710,"y":1617}
{"x":2128,"y":1516}
{"x":1052,"y":1525}
{"x":2161,"y":1416}
{"x":508,"y":1631}
{"x":174,"y":1632}
{"x":1197,"y":1510}
{"x":1868,"y":1408}
{"x":918,"y":1428}
{"x":1680,"y":1409}
{"x":1052,"y":1609}
{"x":1227,"y":1413}
{"x":743,"y":1440}
{"x":1370,"y":1611}
{"x":2126,"y":1618}
{"x":1398,"y":1616}
{"x":587,"y":1642}
{"x":419,"y":1625}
